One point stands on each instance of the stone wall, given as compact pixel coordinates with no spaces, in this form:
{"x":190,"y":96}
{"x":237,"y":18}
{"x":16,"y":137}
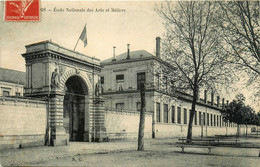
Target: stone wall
{"x":22,"y":122}
{"x":175,"y":130}
{"x":125,"y":125}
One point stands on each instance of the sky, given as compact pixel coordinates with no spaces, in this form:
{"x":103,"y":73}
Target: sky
{"x":138,"y":26}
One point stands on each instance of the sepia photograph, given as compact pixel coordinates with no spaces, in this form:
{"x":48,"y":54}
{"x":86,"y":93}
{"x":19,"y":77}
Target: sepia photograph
{"x":129,"y":83}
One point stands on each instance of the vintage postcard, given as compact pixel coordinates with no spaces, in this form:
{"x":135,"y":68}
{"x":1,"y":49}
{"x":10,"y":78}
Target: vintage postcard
{"x":129,"y":83}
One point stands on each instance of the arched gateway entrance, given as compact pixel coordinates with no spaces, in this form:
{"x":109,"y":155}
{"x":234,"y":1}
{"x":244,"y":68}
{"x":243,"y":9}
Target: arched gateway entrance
{"x":68,"y":80}
{"x":75,"y":108}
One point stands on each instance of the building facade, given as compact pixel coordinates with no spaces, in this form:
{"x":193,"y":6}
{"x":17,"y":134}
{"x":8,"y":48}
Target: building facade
{"x":120,"y":78}
{"x":11,"y":82}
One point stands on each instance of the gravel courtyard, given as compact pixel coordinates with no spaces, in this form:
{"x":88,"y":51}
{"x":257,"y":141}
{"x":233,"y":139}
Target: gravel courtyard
{"x":123,"y":153}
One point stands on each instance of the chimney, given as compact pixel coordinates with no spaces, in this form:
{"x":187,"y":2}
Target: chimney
{"x":114,"y":54}
{"x":227,"y":102}
{"x":205,"y":96}
{"x":223,"y":103}
{"x":218,"y":101}
{"x":212,"y":98}
{"x":158,"y":43}
{"x":128,"y":51}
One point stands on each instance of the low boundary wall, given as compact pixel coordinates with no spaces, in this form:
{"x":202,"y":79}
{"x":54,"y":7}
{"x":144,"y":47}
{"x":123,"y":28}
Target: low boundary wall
{"x":174,"y":130}
{"x":125,"y":125}
{"x":22,"y":122}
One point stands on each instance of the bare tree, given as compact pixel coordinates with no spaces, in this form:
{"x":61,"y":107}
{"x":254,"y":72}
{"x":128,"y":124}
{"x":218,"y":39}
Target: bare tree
{"x":142,"y":119}
{"x":191,"y":45}
{"x":239,"y":22}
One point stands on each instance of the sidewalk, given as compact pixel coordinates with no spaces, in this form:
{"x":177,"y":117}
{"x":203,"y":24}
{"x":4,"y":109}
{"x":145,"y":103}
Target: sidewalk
{"x":123,"y":153}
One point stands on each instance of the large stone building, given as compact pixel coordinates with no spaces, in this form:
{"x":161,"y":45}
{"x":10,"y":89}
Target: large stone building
{"x":121,"y":76}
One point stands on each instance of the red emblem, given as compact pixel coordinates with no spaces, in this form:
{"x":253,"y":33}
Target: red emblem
{"x":22,"y":10}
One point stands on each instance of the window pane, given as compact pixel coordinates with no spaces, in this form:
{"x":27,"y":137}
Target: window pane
{"x":195,"y":117}
{"x":165,"y":113}
{"x":6,"y":93}
{"x":102,"y":80}
{"x":185,"y":116}
{"x":204,"y":119}
{"x":120,"y":106}
{"x":138,"y":106}
{"x":173,"y":114}
{"x":217,"y":120}
{"x":179,"y":115}
{"x":158,"y":112}
{"x":207,"y":119}
{"x":211,"y":120}
{"x":199,"y":118}
{"x":140,"y":79}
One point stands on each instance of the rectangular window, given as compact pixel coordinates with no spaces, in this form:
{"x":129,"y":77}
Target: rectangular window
{"x":217,"y":120}
{"x":120,"y":106}
{"x":179,"y":115}
{"x":165,"y":108}
{"x":158,"y":112}
{"x":220,"y":121}
{"x":120,"y":78}
{"x":6,"y":93}
{"x":173,"y":114}
{"x":138,"y":106}
{"x":140,"y":79}
{"x":195,"y":117}
{"x":200,"y":118}
{"x":207,"y":119}
{"x":17,"y":94}
{"x":120,"y":82}
{"x":204,"y":118}
{"x":211,"y":120}
{"x":185,"y":115}
{"x":102,"y":80}
{"x":214,"y":120}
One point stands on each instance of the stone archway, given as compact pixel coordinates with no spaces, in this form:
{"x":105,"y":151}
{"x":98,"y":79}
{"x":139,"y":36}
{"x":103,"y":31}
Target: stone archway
{"x":76,"y":72}
{"x":50,"y":70}
{"x":75,"y":107}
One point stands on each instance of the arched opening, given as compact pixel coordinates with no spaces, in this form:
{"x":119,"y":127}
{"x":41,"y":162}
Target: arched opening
{"x":75,"y":108}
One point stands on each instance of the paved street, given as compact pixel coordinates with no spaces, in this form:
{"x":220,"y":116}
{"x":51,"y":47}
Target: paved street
{"x":123,"y":153}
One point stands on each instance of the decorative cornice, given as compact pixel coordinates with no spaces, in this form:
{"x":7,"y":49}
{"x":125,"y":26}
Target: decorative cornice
{"x":49,"y":54}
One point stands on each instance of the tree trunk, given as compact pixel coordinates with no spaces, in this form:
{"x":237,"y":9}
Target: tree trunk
{"x":246,"y":130}
{"x":238,"y":130}
{"x":193,"y":108}
{"x":142,"y":119}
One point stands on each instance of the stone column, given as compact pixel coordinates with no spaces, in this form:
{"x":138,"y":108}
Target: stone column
{"x":58,"y":133}
{"x":97,"y":120}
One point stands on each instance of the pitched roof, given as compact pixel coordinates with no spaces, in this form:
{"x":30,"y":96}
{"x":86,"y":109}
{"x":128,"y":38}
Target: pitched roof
{"x":12,"y":76}
{"x":133,"y":55}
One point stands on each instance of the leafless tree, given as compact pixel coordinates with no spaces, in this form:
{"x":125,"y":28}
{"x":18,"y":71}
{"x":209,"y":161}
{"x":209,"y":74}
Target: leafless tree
{"x":239,"y":23}
{"x":192,"y":47}
{"x":142,"y":119}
